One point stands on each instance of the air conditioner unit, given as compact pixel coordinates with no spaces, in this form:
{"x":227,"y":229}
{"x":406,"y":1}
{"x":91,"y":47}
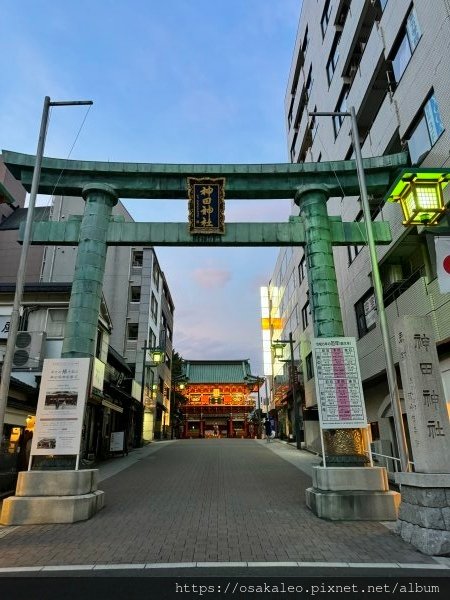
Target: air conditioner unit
{"x":29,"y":351}
{"x":394,"y":274}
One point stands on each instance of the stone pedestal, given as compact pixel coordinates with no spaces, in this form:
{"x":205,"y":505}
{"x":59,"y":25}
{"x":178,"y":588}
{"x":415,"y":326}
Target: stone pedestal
{"x":53,"y":497}
{"x":424,"y":515}
{"x":352,"y":494}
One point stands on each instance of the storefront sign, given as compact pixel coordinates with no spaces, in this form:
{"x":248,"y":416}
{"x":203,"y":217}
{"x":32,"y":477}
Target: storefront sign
{"x":60,"y":409}
{"x":98,"y":374}
{"x":338,"y":383}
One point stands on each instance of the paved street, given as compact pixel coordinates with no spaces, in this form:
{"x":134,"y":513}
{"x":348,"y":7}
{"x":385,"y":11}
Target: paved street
{"x":207,"y":501}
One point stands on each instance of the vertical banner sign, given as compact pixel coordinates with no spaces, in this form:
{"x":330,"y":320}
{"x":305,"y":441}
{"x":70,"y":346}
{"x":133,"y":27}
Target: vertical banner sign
{"x":206,"y":205}
{"x":442,"y":246}
{"x":60,"y":409}
{"x":423,"y":392}
{"x":338,"y":383}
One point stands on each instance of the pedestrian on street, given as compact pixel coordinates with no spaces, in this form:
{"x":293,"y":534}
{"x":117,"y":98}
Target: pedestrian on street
{"x":268,"y":429}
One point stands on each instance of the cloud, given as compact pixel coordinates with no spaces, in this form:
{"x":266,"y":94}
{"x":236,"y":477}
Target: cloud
{"x":210,"y":277}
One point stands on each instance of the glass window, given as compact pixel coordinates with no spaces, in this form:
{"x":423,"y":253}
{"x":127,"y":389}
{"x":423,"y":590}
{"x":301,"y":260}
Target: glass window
{"x":133,"y":331}
{"x":309,"y":83}
{"x":156,"y":276}
{"x":137,"y":258}
{"x":409,"y":39}
{"x":154,"y":308}
{"x":306,"y":312}
{"x":334,"y":57}
{"x":305,"y":42}
{"x":426,"y":131}
{"x":135,"y":293}
{"x":325,"y":17}
{"x":302,"y":270}
{"x":433,"y":117}
{"x":366,"y":313}
{"x":353,"y":251}
{"x":56,"y":322}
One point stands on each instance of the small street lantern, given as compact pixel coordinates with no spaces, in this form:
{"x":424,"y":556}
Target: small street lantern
{"x":157,"y":355}
{"x":278,"y":350}
{"x":420,"y":195}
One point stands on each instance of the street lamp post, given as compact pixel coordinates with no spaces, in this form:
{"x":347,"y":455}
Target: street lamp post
{"x":157,"y":357}
{"x":180,"y":383}
{"x":20,"y":280}
{"x":298,"y":412}
{"x":378,"y":289}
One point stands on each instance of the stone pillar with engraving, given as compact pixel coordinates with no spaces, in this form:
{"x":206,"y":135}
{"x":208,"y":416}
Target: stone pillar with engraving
{"x":424,"y":516}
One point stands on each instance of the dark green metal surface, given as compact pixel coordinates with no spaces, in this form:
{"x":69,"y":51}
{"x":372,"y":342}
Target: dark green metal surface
{"x":165,"y":181}
{"x":323,"y":288}
{"x":236,"y":234}
{"x":84,"y":308}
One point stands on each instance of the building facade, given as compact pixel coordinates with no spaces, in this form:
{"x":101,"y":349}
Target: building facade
{"x":388,"y":59}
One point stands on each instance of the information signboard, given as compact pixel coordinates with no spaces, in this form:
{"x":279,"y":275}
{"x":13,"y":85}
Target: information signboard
{"x":60,"y":409}
{"x":338,"y":383}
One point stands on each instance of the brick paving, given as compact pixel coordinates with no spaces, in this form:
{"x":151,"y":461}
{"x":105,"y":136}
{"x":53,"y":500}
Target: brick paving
{"x":206,"y":500}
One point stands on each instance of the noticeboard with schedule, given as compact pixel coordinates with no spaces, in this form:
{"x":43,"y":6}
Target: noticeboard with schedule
{"x":339,"y":391}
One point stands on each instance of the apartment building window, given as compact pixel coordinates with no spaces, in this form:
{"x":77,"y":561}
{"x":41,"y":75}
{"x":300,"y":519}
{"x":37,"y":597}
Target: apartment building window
{"x":135,"y":293}
{"x":302,"y":269}
{"x":427,"y":127}
{"x":151,"y":339}
{"x":156,"y":276}
{"x":334,"y":57}
{"x":56,"y":322}
{"x":409,"y":37}
{"x":325,"y":17}
{"x":137,"y":258}
{"x":294,"y":141}
{"x":353,"y":251}
{"x":366,"y":313}
{"x":154,"y":308}
{"x":309,"y":83}
{"x":305,"y":41}
{"x":341,"y":106}
{"x":306,"y":312}
{"x":133,"y":331}
{"x":309,"y":366}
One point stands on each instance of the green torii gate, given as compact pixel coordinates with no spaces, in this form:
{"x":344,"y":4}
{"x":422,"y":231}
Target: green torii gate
{"x":102,"y":183}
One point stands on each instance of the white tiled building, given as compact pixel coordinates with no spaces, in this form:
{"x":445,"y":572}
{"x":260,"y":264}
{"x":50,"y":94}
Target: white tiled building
{"x":389,"y":59}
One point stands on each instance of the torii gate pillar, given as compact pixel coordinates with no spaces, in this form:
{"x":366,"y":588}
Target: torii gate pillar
{"x":85,"y":299}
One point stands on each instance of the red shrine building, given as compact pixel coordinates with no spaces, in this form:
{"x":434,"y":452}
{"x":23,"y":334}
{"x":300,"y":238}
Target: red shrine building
{"x":218,"y":399}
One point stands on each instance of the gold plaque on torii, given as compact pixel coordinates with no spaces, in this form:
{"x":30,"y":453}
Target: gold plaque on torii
{"x":206,"y":205}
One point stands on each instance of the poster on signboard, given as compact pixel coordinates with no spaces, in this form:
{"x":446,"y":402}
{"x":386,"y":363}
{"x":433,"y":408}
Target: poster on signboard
{"x":61,"y":403}
{"x":339,"y":391}
{"x":116,"y":441}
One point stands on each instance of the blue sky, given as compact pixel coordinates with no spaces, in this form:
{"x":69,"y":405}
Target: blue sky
{"x":177,"y":81}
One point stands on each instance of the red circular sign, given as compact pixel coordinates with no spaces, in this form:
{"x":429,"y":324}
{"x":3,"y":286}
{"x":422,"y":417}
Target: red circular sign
{"x":446,"y":264}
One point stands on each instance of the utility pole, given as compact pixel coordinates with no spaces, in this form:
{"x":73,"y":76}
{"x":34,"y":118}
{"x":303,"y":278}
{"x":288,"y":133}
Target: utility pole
{"x":15,"y":314}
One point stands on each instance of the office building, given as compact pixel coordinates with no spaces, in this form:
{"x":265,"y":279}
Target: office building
{"x":389,"y":60}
